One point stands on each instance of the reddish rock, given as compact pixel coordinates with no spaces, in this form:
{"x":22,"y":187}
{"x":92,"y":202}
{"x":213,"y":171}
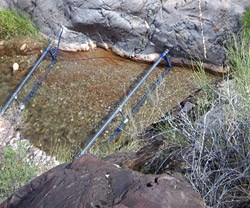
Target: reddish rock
{"x":91,"y":182}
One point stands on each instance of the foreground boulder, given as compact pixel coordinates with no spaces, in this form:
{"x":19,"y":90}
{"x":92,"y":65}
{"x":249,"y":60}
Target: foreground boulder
{"x":91,"y":182}
{"x":141,"y":29}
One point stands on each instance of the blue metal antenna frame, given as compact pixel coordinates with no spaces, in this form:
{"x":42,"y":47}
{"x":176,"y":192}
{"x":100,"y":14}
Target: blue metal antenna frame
{"x":53,"y":55}
{"x":123,"y":103}
{"x":141,"y":102}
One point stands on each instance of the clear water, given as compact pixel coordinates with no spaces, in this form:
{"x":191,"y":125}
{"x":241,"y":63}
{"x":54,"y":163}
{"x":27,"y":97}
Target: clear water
{"x":83,"y":89}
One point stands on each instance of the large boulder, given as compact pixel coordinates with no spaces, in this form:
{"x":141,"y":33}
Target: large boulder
{"x":91,"y":182}
{"x":141,"y":28}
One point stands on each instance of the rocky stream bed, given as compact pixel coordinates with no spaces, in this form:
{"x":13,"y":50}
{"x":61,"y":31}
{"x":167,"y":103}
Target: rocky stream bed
{"x":74,"y":100}
{"x":82,"y":90}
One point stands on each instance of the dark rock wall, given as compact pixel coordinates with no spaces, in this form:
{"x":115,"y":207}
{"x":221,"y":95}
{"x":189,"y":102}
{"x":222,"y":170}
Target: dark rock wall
{"x":136,"y":28}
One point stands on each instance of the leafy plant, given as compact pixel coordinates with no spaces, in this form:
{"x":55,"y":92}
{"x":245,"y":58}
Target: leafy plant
{"x":12,"y":23}
{"x":15,"y":171}
{"x":245,"y":22}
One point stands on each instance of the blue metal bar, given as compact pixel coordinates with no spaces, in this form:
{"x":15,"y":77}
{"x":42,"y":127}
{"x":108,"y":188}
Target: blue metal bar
{"x":38,"y":84}
{"x":123,"y":103}
{"x":53,"y":55}
{"x":141,"y":102}
{"x":25,"y":80}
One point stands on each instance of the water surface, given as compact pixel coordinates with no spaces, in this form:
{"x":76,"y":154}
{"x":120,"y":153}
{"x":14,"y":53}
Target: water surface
{"x":83,"y":89}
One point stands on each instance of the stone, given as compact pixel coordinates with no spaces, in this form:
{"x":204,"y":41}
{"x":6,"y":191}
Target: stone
{"x":6,"y":132}
{"x":90,"y":182}
{"x":23,"y":47}
{"x":188,"y":106}
{"x":137,"y":29}
{"x":15,"y":67}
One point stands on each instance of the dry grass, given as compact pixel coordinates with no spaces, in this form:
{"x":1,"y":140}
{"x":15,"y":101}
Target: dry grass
{"x":216,"y":150}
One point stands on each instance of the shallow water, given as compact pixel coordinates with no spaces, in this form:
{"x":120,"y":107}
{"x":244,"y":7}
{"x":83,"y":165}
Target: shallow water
{"x":83,"y":89}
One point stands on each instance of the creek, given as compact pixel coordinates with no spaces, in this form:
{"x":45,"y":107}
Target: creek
{"x":82,"y":90}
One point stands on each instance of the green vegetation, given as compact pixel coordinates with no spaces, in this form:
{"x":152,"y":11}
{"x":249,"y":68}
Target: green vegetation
{"x":122,"y":144}
{"x":223,"y":134}
{"x":15,"y":170}
{"x":245,"y":22}
{"x":62,"y":152}
{"x":215,"y":136}
{"x":211,"y":143}
{"x":12,"y":23}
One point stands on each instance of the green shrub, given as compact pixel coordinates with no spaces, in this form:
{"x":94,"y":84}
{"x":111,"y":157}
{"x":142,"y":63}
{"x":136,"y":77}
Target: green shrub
{"x":245,"y":21}
{"x":63,"y":152}
{"x":238,"y":53}
{"x":217,"y":133}
{"x":13,"y":24}
{"x":15,"y":171}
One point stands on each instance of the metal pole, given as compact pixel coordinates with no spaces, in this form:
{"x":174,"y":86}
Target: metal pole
{"x":38,"y":84}
{"x":140,"y":103}
{"x":123,"y":103}
{"x":53,"y":55}
{"x":25,"y":80}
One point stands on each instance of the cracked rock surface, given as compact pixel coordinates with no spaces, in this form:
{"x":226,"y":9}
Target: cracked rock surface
{"x":141,"y":28}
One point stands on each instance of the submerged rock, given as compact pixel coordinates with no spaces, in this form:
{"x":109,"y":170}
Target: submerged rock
{"x":23,"y":47}
{"x":141,"y":29}
{"x":91,"y":182}
{"x":15,"y":67}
